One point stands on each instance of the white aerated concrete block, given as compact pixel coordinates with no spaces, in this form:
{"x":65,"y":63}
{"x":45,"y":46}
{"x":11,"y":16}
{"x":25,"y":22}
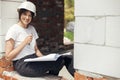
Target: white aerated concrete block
{"x":2,"y":44}
{"x":113,"y":31}
{"x":90,"y":30}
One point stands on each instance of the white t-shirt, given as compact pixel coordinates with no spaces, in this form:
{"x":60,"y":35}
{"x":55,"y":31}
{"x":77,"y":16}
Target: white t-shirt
{"x":18,"y":34}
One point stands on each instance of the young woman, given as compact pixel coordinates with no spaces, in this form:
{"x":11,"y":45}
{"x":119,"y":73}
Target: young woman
{"x":21,"y":44}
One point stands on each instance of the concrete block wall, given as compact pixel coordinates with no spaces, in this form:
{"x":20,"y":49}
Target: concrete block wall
{"x":0,"y":26}
{"x":97,"y":7}
{"x":8,"y":16}
{"x":97,"y":41}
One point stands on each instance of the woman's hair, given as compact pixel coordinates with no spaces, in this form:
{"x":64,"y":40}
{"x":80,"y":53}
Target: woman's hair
{"x":23,"y":11}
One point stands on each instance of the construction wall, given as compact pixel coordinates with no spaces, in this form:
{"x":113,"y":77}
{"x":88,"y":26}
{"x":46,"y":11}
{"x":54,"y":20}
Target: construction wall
{"x":97,"y":40}
{"x":0,"y":28}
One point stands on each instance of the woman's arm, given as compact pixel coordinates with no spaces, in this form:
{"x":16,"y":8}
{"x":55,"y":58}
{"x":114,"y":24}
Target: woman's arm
{"x":11,"y":52}
{"x":37,"y":51}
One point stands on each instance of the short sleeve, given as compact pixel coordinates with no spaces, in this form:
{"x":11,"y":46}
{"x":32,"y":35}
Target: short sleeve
{"x":11,"y":34}
{"x":35,"y":33}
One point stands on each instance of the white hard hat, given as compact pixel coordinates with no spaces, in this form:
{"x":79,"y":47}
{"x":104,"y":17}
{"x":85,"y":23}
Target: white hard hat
{"x":28,"y":6}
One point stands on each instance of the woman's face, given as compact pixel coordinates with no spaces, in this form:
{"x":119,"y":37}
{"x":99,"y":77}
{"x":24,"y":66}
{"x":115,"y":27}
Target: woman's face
{"x":26,"y":18}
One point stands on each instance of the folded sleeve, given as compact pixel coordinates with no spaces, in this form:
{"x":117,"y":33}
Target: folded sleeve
{"x":11,"y":34}
{"x":35,"y":33}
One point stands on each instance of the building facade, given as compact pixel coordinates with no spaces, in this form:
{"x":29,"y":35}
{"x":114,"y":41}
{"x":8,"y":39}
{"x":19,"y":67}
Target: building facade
{"x":97,"y":40}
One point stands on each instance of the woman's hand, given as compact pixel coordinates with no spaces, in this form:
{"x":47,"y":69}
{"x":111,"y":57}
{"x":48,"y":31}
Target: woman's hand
{"x":28,"y":39}
{"x":37,"y":51}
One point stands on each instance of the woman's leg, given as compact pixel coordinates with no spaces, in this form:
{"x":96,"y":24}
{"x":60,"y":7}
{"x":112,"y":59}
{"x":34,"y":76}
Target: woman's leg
{"x":56,"y":66}
{"x":69,"y":64}
{"x":36,"y":69}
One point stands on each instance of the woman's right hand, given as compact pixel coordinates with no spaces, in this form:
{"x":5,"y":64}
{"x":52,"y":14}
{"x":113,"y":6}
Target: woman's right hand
{"x":28,"y":39}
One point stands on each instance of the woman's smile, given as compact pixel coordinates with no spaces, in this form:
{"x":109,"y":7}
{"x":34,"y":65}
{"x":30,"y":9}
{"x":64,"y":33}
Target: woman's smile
{"x":25,"y":19}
